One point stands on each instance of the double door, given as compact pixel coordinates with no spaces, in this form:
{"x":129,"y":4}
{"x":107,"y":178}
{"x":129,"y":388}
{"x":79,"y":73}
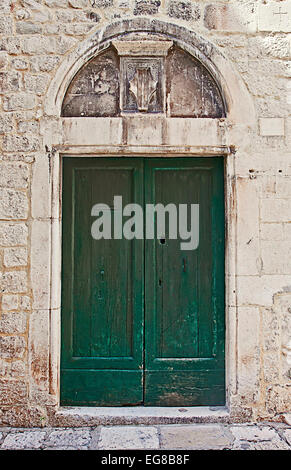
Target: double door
{"x":142,"y":319}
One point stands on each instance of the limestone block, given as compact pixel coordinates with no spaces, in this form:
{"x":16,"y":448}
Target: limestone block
{"x":82,"y":3}
{"x":272,"y":126}
{"x":3,"y":59}
{"x":15,"y":368}
{"x":19,"y":63}
{"x":248,"y":351}
{"x":40,"y":263}
{"x":258,"y":290}
{"x":152,"y":130}
{"x":12,"y":323}
{"x":36,"y":83}
{"x":25,"y":440}
{"x":278,"y":399}
{"x":192,"y":131}
{"x":13,"y":204}
{"x":15,"y":257}
{"x":13,"y":234}
{"x":12,"y":347}
{"x":248,"y":252}
{"x":195,"y":437}
{"x":230,"y":17}
{"x":146,"y":7}
{"x":86,"y":131}
{"x":135,"y":437}
{"x":9,"y":81}
{"x":19,"y":143}
{"x":24,"y":302}
{"x":274,"y":16}
{"x":14,"y":175}
{"x":19,"y":101}
{"x":28,"y":27}
{"x":28,"y":126}
{"x":272,"y":232}
{"x":73,"y":438}
{"x":39,"y":45}
{"x":39,"y":348}
{"x":184,"y":10}
{"x":100,"y":3}
{"x":44,"y":63}
{"x":6,"y":123}
{"x":12,"y":392}
{"x":56,"y":3}
{"x":275,"y":210}
{"x":276,"y":257}
{"x":40,"y":206}
{"x":9,"y":302}
{"x":6,"y":25}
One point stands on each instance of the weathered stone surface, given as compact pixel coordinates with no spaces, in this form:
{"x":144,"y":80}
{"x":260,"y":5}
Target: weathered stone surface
{"x":9,"y":81}
{"x":19,"y":63}
{"x":272,"y":126}
{"x":12,"y":347}
{"x":15,"y":257}
{"x":19,"y":101}
{"x":6,"y":124}
{"x":36,"y":83}
{"x":14,"y":175}
{"x":146,"y":7}
{"x":24,"y":440}
{"x":195,"y":94}
{"x":13,"y":204}
{"x":101,"y":3}
{"x":12,"y":391}
{"x":13,"y":234}
{"x":9,"y":302}
{"x":12,"y":369}
{"x":184,"y":10}
{"x":13,"y":282}
{"x":230,"y":17}
{"x":73,"y":438}
{"x":254,"y":438}
{"x":11,"y":323}
{"x":27,"y":27}
{"x":14,"y":143}
{"x":44,"y":63}
{"x":133,"y":437}
{"x":95,"y":89}
{"x":79,"y":4}
{"x":273,"y":16}
{"x":196,"y":437}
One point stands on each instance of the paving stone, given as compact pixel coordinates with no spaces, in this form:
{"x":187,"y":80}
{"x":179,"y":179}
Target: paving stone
{"x":255,"y":438}
{"x":128,"y":437}
{"x":69,"y":438}
{"x":287,"y":435}
{"x":24,"y":440}
{"x":195,"y":437}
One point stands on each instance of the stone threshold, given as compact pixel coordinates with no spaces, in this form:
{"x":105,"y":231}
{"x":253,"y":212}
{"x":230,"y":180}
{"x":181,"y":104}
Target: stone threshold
{"x":95,"y":416}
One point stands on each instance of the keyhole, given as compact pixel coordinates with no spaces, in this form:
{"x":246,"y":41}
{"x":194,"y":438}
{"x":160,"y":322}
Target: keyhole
{"x":162,"y":241}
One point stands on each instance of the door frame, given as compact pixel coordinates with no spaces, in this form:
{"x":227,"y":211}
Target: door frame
{"x":230,"y":248}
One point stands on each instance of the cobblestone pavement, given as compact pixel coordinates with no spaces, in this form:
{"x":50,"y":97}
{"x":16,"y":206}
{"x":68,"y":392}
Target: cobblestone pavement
{"x":268,"y":436}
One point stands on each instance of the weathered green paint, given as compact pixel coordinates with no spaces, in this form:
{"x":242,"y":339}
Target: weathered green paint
{"x":142,"y":321}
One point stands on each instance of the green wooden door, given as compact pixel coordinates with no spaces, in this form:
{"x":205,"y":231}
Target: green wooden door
{"x":142,"y":320}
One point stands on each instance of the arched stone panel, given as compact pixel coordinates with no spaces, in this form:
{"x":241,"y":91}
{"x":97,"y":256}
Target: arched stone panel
{"x":143,"y":80}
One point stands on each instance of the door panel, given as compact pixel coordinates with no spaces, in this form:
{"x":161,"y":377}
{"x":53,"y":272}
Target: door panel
{"x":102,"y":310}
{"x":115,"y":351}
{"x":184,"y":317}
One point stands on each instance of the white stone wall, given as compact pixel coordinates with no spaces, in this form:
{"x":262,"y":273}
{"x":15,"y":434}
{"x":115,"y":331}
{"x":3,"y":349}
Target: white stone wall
{"x":37,"y":39}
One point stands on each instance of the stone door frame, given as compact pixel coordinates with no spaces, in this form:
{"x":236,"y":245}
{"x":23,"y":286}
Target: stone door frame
{"x":227,"y":138}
